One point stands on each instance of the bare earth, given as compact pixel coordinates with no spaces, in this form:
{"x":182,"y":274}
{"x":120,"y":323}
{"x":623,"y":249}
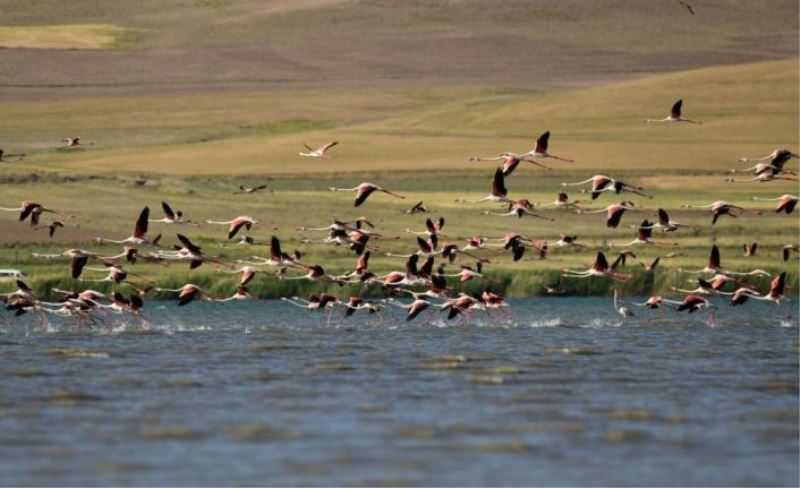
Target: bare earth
{"x":254,"y":45}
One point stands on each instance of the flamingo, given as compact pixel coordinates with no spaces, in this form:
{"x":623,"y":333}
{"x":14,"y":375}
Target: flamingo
{"x":625,"y":312}
{"x":187,"y":293}
{"x":775,"y":295}
{"x":649,"y":268}
{"x":241,"y":293}
{"x":499,"y":190}
{"x":248,"y":273}
{"x":32,"y":209}
{"x":418,"y":208}
{"x":314,"y":272}
{"x":776,"y":158}
{"x":466,"y":273}
{"x":139,"y":232}
{"x":763,"y":177}
{"x":170,"y":216}
{"x":567,"y":241}
{"x":613,"y":212}
{"x":714,"y":263}
{"x":188,"y":252}
{"x":247,"y":189}
{"x":599,"y":184}
{"x":720,"y":208}
{"x":599,"y":268}
{"x":686,"y":6}
{"x":675,"y":115}
{"x":426,"y":248}
{"x":561,"y":201}
{"x":276,"y":256}
{"x":236,"y":224}
{"x":414,"y":308}
{"x":788,"y":249}
{"x":540,"y":149}
{"x":786,"y":203}
{"x":430,"y":227}
{"x":510,"y":162}
{"x":75,"y":142}
{"x":319,"y":152}
{"x":665,"y":224}
{"x":643,"y":237}
{"x":750,"y":250}
{"x":364,"y":190}
{"x":520,"y":208}
{"x":52,"y":227}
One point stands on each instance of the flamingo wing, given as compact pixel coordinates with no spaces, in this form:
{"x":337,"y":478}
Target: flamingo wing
{"x":168,"y":211}
{"x":676,"y":109}
{"x":141,"y":224}
{"x":542,"y":142}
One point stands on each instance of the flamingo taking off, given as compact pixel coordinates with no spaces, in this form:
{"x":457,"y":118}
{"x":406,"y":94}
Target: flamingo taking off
{"x":675,"y":115}
{"x":364,"y":190}
{"x":319,"y":152}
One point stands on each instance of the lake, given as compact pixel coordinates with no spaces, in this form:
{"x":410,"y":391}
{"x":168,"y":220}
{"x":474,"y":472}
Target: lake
{"x":562,"y":392}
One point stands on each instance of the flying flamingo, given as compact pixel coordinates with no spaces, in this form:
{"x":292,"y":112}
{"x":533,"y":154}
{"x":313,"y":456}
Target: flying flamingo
{"x":242,"y":293}
{"x":720,"y":208}
{"x":665,"y":224}
{"x":248,"y":273}
{"x":567,"y":241}
{"x":714,"y":263}
{"x":601,"y":183}
{"x":430,"y":227}
{"x":319,"y":152}
{"x":236,"y":224}
{"x":426,"y":248}
{"x":276,"y":256}
{"x":776,"y":158}
{"x":750,"y":250}
{"x":649,"y":268}
{"x":418,"y":208}
{"x":675,"y":115}
{"x":510,"y":162}
{"x":787,"y":250}
{"x":32,"y":209}
{"x":540,"y":149}
{"x":643,"y":237}
{"x":188,"y":252}
{"x":519,"y":208}
{"x":247,"y":189}
{"x":75,"y":142}
{"x":776,"y":290}
{"x":139,"y":232}
{"x":613,"y":212}
{"x":170,"y":216}
{"x":599,"y":268}
{"x":4,"y":156}
{"x":414,"y":308}
{"x":763,"y":177}
{"x":499,"y":190}
{"x":786,"y":203}
{"x":364,"y":190}
{"x":466,"y":273}
{"x":561,"y":201}
{"x":187,"y":293}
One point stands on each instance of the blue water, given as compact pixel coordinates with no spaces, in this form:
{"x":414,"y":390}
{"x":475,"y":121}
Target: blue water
{"x":561,"y":393}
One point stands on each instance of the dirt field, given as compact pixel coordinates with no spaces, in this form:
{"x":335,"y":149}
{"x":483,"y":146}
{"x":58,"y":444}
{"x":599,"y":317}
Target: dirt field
{"x":254,"y":45}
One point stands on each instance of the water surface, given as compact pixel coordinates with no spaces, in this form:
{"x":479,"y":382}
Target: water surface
{"x":562,"y":393}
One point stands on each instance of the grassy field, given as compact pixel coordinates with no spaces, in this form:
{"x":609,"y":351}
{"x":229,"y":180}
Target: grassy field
{"x":193,"y":151}
{"x":74,"y":36}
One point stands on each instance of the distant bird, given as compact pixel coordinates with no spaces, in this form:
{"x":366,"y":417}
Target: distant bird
{"x":247,"y":189}
{"x":4,"y":157}
{"x":418,"y":208}
{"x":236,"y":224}
{"x":788,"y":249}
{"x":675,"y":115}
{"x":187,"y":293}
{"x":75,"y":142}
{"x":499,"y":191}
{"x":665,"y":224}
{"x":510,"y":162}
{"x":693,"y":303}
{"x":561,"y":201}
{"x":714,"y":263}
{"x":686,"y":5}
{"x":750,"y":250}
{"x":364,"y":190}
{"x":720,"y":208}
{"x":431,"y":227}
{"x":776,"y":291}
{"x":519,"y":208}
{"x":786,"y":203}
{"x":320,"y":152}
{"x":777,"y":158}
{"x":540,"y":149}
{"x":643,"y":237}
{"x":56,"y":224}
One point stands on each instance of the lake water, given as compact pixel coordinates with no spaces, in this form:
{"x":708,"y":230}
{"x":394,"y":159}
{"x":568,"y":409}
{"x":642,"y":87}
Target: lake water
{"x":562,"y":393}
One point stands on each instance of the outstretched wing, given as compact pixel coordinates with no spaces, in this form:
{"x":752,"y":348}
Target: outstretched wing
{"x":542,"y":142}
{"x":676,"y":109}
{"x":141,"y":224}
{"x":168,"y":211}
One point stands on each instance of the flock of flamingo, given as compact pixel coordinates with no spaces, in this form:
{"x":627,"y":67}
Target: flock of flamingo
{"x":421,"y":286}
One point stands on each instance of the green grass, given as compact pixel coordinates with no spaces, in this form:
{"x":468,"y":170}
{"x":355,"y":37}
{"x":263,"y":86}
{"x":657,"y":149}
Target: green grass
{"x":195,"y":149}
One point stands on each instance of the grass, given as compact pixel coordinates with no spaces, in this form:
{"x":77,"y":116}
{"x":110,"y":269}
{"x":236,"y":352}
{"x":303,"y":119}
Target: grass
{"x":72,"y":36}
{"x":193,"y":150}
